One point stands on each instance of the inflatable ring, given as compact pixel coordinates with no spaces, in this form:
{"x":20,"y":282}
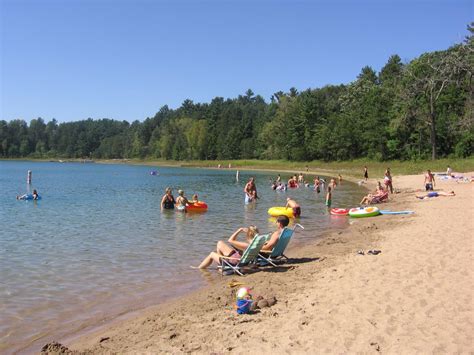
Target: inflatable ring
{"x":29,"y":197}
{"x":361,"y":212}
{"x":196,"y":206}
{"x":280,"y":211}
{"x":339,"y":211}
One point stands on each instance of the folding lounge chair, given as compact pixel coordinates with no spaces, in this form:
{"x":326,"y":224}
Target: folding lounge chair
{"x":249,"y":255}
{"x":278,"y":250}
{"x":380,"y":198}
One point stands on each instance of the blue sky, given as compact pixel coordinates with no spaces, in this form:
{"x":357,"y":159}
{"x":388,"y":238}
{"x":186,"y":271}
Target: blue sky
{"x":124,"y":59}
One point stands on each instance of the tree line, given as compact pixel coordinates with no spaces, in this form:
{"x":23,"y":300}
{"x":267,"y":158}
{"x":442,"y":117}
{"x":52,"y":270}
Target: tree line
{"x":416,"y":110}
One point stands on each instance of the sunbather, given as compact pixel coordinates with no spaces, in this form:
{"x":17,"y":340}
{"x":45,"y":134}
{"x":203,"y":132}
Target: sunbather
{"x":223,"y":249}
{"x":436,"y":194}
{"x":376,"y":197}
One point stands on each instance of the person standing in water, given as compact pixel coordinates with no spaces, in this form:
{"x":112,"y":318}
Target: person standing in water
{"x":250,"y":190}
{"x":237,"y":176}
{"x":366,"y":173}
{"x":168,"y":201}
{"x":329,"y":197}
{"x":181,"y":201}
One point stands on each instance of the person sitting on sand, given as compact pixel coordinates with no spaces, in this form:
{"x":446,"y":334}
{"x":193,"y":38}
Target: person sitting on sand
{"x":168,"y":201}
{"x":436,"y":194}
{"x":429,"y":181}
{"x":449,"y":171}
{"x":224,"y":250}
{"x":293,"y":205}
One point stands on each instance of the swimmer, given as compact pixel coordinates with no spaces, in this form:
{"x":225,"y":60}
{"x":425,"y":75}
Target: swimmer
{"x":34,"y":196}
{"x":294,"y":206}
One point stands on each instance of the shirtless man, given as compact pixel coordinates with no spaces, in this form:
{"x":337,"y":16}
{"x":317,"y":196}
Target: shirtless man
{"x":251,"y":190}
{"x":293,"y":205}
{"x":429,"y":181}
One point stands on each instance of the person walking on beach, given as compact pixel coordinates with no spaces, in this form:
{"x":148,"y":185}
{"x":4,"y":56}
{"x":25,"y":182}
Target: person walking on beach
{"x":387,"y":180}
{"x":294,"y":206}
{"x":429,"y":181}
{"x":366,"y":173}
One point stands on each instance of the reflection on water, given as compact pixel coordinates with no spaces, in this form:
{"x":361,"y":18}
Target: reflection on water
{"x":98,"y":245}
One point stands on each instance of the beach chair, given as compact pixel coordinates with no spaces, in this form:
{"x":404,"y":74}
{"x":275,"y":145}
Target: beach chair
{"x":379,"y":198}
{"x":249,"y":256}
{"x":277,"y":254}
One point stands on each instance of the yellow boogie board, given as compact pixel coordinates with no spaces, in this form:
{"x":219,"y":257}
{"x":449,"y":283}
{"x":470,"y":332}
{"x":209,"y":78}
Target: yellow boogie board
{"x":280,"y":211}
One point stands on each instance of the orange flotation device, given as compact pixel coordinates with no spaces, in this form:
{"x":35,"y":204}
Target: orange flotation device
{"x":196,"y":206}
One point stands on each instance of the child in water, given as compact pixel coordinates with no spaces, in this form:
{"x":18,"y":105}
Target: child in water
{"x":195,"y":199}
{"x":329,"y":197}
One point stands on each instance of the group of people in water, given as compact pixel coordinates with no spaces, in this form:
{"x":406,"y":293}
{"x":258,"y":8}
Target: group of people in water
{"x":168,"y":202}
{"x":231,"y":250}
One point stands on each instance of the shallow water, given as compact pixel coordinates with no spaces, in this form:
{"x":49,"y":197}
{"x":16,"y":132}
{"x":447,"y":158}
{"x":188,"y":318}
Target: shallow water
{"x":97,"y":244}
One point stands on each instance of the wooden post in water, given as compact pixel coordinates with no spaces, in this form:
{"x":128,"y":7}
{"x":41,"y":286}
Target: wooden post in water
{"x":28,"y":177}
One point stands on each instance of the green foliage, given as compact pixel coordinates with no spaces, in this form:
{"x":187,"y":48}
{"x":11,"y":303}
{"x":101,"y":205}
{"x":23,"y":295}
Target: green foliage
{"x":407,"y":111}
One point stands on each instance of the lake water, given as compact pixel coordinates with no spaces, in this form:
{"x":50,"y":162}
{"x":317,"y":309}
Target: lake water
{"x":97,"y":244}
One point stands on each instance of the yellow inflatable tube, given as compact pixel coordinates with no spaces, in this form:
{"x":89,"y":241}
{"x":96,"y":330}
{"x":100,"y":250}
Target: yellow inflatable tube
{"x":280,"y":211}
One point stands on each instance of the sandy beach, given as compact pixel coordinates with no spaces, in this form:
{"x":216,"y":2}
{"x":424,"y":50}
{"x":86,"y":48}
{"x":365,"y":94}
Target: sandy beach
{"x":416,"y":296}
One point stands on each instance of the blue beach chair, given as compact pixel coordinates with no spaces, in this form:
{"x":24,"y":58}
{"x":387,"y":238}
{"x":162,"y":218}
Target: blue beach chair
{"x":249,"y":256}
{"x":277,"y":253}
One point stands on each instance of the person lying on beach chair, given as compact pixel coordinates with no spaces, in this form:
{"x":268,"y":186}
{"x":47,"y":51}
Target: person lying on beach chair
{"x":435,"y":194}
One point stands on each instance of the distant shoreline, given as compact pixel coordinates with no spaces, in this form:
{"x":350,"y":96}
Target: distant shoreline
{"x":352,"y":169}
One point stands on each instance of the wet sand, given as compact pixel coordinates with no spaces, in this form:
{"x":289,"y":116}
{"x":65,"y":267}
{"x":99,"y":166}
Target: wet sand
{"x":415,"y":296}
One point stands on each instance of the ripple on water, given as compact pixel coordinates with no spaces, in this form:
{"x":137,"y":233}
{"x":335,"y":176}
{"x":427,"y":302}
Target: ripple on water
{"x":97,"y":244}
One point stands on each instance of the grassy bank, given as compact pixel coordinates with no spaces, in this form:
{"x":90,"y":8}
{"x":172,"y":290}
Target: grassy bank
{"x":345,"y":168}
